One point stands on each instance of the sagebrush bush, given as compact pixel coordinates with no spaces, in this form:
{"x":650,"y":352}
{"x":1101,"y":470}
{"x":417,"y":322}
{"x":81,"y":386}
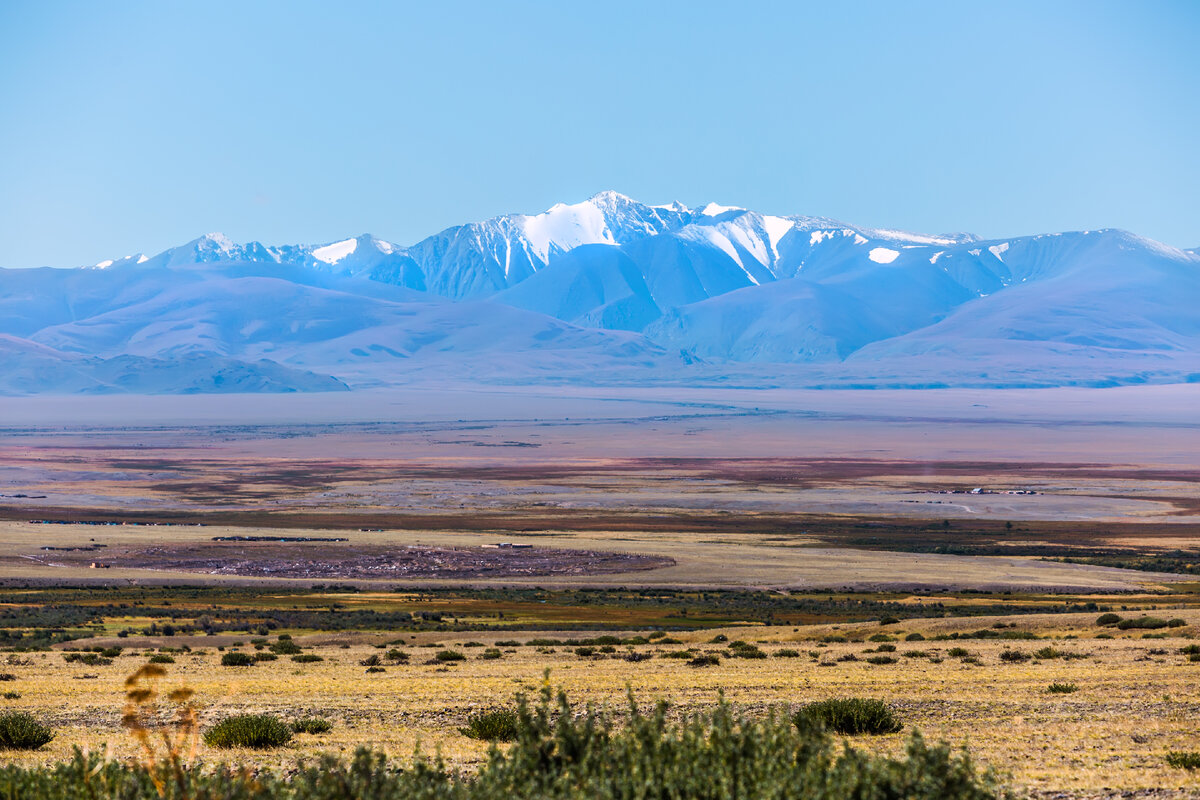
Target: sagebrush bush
{"x":312,"y":725}
{"x":160,"y":658}
{"x":1013,"y":656}
{"x":258,"y":731}
{"x":492,"y":726}
{"x":849,"y":715}
{"x":450,"y":655}
{"x":1108,"y":619}
{"x":237,"y":660}
{"x":705,"y":660}
{"x":22,"y":731}
{"x":786,"y":652}
{"x":1062,"y":688}
{"x":307,"y":658}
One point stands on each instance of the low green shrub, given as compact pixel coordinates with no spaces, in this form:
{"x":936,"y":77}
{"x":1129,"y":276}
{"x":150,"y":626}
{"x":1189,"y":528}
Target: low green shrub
{"x":958,"y":652}
{"x":307,"y":658}
{"x":450,"y":655}
{"x":491,"y":654}
{"x":87,"y":659}
{"x":22,"y":731}
{"x":1152,"y":623}
{"x":1108,"y":619}
{"x":492,"y":726}
{"x":914,"y":637}
{"x":286,"y":647}
{"x":786,"y":652}
{"x":312,"y":725}
{"x":1048,"y":652}
{"x":259,"y":731}
{"x":746,"y":651}
{"x":684,"y":654}
{"x":1062,"y":688}
{"x":850,"y":716}
{"x":881,"y":660}
{"x":1183,"y":760}
{"x":705,"y":660}
{"x":1013,"y":656}
{"x":11,"y":695}
{"x":161,"y":658}
{"x":1176,"y":623}
{"x":237,"y":660}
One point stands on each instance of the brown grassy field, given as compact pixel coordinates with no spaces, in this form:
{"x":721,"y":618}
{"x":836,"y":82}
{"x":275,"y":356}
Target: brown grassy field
{"x":1137,"y":698}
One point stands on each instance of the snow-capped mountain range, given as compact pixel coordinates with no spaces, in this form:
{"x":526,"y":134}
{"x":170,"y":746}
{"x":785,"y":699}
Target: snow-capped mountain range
{"x":614,"y":291}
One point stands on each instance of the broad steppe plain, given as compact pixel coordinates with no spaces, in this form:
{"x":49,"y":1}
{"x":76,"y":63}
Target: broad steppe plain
{"x":916,"y":496}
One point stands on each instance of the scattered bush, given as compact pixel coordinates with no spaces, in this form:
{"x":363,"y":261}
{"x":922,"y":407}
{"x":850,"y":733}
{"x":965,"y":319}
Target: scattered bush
{"x":958,"y":652}
{"x":850,"y":716}
{"x":492,"y":726}
{"x":705,"y":660}
{"x":491,"y":654}
{"x":399,"y":656}
{"x":450,"y":655}
{"x":286,"y":647}
{"x":22,"y":731}
{"x":1013,"y":656}
{"x":914,"y":637}
{"x":744,"y":650}
{"x":161,"y":658}
{"x":889,"y":621}
{"x":1176,"y":623}
{"x":87,"y":659}
{"x":881,"y":637}
{"x":236,"y":660}
{"x":634,"y":657}
{"x":1183,"y":760}
{"x":312,"y":725}
{"x":265,"y":657}
{"x":881,"y":660}
{"x":372,"y":660}
{"x":1062,"y":688}
{"x":259,"y":731}
{"x":11,"y":695}
{"x":1152,"y":623}
{"x":563,"y":753}
{"x":1048,"y":653}
{"x":7,"y":676}
{"x":786,"y":652}
{"x":307,"y":658}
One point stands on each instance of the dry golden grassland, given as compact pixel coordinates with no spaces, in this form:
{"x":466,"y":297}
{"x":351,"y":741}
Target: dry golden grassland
{"x":1137,"y":698}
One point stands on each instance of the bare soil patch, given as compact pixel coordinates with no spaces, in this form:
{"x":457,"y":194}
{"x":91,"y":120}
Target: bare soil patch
{"x":318,"y":560}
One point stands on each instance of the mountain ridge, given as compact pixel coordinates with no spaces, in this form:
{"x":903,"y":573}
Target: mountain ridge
{"x":610,"y":289}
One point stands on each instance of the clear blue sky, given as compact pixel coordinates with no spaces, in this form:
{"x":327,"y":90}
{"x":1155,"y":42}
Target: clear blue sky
{"x":132,"y":126}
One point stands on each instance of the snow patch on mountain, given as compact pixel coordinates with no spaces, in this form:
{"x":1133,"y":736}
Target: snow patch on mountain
{"x":333,"y":253}
{"x":883,"y":255}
